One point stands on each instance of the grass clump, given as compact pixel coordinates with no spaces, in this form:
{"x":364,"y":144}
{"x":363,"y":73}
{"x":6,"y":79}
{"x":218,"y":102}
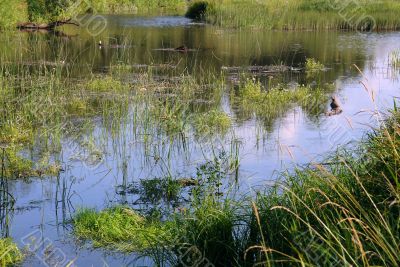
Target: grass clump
{"x":394,"y":59}
{"x":119,"y":228}
{"x":212,"y":121}
{"x":106,"y":84}
{"x":14,"y":134}
{"x":10,"y":254}
{"x":270,"y":104}
{"x":312,"y":65}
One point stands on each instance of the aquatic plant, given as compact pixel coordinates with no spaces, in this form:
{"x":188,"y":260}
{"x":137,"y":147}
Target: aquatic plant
{"x":346,"y":211}
{"x":211,"y":122}
{"x":312,"y":65}
{"x":10,"y":254}
{"x":342,"y":212}
{"x":268,"y":105}
{"x":105,"y":84}
{"x":120,"y":228}
{"x":394,"y":59}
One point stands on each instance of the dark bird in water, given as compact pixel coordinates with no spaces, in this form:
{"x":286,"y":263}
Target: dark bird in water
{"x":182,"y":48}
{"x":335,"y":107}
{"x":335,"y":104}
{"x":100,"y":44}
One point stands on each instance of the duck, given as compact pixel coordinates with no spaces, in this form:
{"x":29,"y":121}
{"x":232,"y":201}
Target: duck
{"x":335,"y":107}
{"x":100,"y":44}
{"x":335,"y":104}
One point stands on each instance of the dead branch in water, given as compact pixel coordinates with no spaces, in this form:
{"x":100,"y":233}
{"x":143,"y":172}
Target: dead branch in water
{"x":45,"y":26}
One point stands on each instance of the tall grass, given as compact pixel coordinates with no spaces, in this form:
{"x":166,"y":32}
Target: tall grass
{"x":346,"y":214}
{"x":298,"y":14}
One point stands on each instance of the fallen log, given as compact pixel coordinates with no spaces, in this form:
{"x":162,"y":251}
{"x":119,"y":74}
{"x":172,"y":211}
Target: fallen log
{"x":45,"y":26}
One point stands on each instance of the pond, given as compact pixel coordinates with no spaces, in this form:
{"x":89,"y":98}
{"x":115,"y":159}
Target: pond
{"x":104,"y":171}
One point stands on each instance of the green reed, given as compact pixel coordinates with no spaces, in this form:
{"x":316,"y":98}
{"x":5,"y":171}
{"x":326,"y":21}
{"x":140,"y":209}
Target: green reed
{"x":298,"y":14}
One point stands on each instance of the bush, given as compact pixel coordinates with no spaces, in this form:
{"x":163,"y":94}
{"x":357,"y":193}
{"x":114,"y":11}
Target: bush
{"x":198,"y":10}
{"x":10,"y":19}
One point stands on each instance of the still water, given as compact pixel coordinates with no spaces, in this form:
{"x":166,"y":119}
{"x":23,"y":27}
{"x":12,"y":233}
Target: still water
{"x":44,"y":205}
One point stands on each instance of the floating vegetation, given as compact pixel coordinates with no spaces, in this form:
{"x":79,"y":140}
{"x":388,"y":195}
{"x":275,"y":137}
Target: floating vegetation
{"x":312,"y":65}
{"x":120,"y":228}
{"x":10,"y":254}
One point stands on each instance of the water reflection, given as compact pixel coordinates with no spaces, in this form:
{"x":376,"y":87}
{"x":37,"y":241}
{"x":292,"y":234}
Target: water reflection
{"x":7,"y":200}
{"x":137,"y":152}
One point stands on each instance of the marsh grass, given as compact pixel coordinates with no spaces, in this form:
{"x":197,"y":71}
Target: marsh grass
{"x":394,"y":59}
{"x":212,"y":121}
{"x":9,"y":252}
{"x":139,"y":6}
{"x":269,"y":104}
{"x":298,"y":14}
{"x":120,"y":228}
{"x":344,"y":213}
{"x":312,"y":65}
{"x":41,"y":105}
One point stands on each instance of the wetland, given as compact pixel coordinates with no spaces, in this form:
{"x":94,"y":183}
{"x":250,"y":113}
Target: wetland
{"x":120,"y":149}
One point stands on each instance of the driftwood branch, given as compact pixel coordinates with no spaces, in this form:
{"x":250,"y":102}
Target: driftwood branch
{"x":45,"y":26}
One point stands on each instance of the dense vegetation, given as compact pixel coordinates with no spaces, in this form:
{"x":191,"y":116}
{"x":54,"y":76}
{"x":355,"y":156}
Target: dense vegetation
{"x":40,"y":11}
{"x":293,"y":15}
{"x":299,"y":14}
{"x":344,"y":213}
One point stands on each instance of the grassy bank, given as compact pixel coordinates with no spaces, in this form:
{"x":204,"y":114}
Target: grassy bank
{"x":337,"y":214}
{"x":39,"y":11}
{"x":299,"y":14}
{"x":293,"y":15}
{"x":10,"y":254}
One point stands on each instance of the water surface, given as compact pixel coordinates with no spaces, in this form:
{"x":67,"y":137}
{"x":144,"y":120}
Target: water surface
{"x":43,"y":206}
